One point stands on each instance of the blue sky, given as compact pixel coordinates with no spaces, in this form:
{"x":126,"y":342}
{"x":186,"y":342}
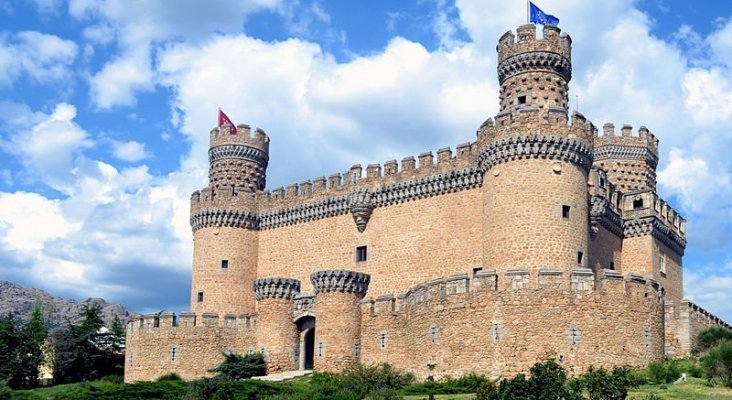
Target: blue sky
{"x":105,"y":108}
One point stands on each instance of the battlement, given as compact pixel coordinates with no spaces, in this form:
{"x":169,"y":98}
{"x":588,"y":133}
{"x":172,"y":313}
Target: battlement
{"x":525,"y":41}
{"x":185,"y":321}
{"x":705,"y":317}
{"x":456,"y":288}
{"x":242,"y":134}
{"x":552,"y":122}
{"x":644,"y":138}
{"x":599,"y":184}
{"x":642,"y":204}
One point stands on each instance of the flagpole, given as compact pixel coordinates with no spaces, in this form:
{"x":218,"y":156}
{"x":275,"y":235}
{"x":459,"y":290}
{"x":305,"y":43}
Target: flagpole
{"x":528,"y":12}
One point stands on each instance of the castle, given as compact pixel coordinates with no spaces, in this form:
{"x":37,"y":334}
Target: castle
{"x":542,"y":238}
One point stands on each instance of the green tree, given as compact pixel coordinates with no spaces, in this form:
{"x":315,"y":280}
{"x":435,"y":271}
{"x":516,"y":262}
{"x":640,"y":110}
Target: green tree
{"x":86,"y":351}
{"x":30,"y":350}
{"x":9,"y":343}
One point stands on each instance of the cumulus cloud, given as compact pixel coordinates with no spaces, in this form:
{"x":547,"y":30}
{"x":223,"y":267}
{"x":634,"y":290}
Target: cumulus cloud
{"x":137,"y":33}
{"x":41,"y":57}
{"x":131,"y":151}
{"x":49,"y":149}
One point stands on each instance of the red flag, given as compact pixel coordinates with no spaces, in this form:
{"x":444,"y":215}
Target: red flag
{"x":223,"y":120}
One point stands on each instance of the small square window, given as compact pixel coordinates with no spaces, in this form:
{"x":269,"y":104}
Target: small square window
{"x":522,"y":100}
{"x":476,"y":270}
{"x":224,"y":264}
{"x":580,"y":257}
{"x":565,"y":211}
{"x":361,"y":254}
{"x":637,"y":204}
{"x":200,"y":297}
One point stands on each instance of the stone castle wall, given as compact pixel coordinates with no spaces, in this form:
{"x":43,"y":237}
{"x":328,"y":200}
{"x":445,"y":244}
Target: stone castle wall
{"x":464,"y":325}
{"x":190,"y":346}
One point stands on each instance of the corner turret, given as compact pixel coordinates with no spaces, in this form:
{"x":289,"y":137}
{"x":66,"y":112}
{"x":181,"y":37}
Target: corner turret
{"x":630,"y":159}
{"x":238,"y":159}
{"x":534,"y":73}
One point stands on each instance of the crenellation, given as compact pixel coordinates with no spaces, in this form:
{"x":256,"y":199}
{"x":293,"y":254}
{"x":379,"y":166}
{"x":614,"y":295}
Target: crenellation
{"x":643,"y":139}
{"x":391,"y":168}
{"x":647,"y":204}
{"x":408,"y":164}
{"x":373,"y":171}
{"x":306,"y":189}
{"x":444,"y":155}
{"x":425,"y":159}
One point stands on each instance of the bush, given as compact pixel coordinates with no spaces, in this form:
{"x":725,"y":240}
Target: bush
{"x":236,"y":366}
{"x":604,"y":385}
{"x":663,"y":372}
{"x":485,"y":390}
{"x":5,"y":392}
{"x":116,"y":379}
{"x":169,"y":377}
{"x":718,"y":363}
{"x":711,"y":337}
{"x":465,"y":384}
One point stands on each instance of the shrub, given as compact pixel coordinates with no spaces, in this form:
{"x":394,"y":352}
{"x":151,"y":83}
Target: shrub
{"x":169,"y":377}
{"x":5,"y":392}
{"x":718,"y":363}
{"x":604,"y":385}
{"x":485,"y":390}
{"x":516,"y":388}
{"x":236,"y":366}
{"x":465,"y":384}
{"x":711,"y":337}
{"x":663,"y":372}
{"x":118,"y":379}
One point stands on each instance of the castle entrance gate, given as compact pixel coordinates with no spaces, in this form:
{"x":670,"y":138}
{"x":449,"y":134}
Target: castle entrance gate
{"x":306,"y":330}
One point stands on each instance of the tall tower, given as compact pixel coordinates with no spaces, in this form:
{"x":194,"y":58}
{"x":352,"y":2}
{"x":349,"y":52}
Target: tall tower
{"x":535,"y":161}
{"x":223,"y":218}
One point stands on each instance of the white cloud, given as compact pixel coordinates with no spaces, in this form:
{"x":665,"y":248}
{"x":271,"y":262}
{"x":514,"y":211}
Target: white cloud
{"x":119,"y":80}
{"x":29,"y":220}
{"x":710,"y":291}
{"x":708,"y":95}
{"x":49,"y":149}
{"x":131,"y":151}
{"x":136,"y":34}
{"x":43,"y":58}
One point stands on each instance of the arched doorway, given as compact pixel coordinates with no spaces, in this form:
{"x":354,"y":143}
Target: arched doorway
{"x":306,"y":330}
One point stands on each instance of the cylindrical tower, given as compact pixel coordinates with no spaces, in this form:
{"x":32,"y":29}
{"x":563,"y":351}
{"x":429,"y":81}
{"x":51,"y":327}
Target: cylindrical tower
{"x":276,"y":333}
{"x":223,"y":218}
{"x":338,"y":311}
{"x":237,"y":159}
{"x":536,"y":163}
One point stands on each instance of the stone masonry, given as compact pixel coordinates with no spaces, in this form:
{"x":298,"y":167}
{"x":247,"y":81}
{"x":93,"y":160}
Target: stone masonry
{"x":540,"y":238}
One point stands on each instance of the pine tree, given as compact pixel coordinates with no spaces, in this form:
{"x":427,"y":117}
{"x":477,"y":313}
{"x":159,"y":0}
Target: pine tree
{"x":9,"y":343}
{"x":33,"y":337}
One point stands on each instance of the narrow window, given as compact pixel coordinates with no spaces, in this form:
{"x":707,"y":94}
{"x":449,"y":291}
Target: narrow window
{"x":602,"y":182}
{"x":224,"y":264}
{"x":361,"y":254}
{"x":565,"y":211}
{"x":662,"y":262}
{"x":637,"y":204}
{"x":383,"y":339}
{"x":580,"y":256}
{"x":173,"y":353}
{"x":612,"y":265}
{"x":200,"y":297}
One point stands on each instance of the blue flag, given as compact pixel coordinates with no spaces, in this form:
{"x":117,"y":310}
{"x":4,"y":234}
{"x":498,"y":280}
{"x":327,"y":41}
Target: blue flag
{"x":540,"y":17}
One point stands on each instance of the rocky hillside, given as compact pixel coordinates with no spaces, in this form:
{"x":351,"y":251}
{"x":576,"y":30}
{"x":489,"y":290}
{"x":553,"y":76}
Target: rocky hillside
{"x":19,"y":300}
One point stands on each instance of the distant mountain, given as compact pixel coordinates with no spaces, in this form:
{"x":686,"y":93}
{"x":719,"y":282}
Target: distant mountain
{"x":19,"y":301}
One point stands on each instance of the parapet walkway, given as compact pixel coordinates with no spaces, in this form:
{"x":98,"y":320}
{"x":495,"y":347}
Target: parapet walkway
{"x":284,"y":376}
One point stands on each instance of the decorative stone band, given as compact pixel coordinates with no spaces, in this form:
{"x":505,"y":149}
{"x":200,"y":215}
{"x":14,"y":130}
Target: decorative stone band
{"x":325,"y":208}
{"x":276,"y":288}
{"x":238,"y":151}
{"x":602,"y":214}
{"x":549,"y":147}
{"x":623,"y":152}
{"x":360,"y":203}
{"x":217,"y":217}
{"x":535,"y":61}
{"x":340,"y":281}
{"x":655,"y":227}
{"x":448,"y":182}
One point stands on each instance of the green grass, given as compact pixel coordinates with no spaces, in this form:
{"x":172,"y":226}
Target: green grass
{"x":442,"y":397}
{"x":694,"y":388}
